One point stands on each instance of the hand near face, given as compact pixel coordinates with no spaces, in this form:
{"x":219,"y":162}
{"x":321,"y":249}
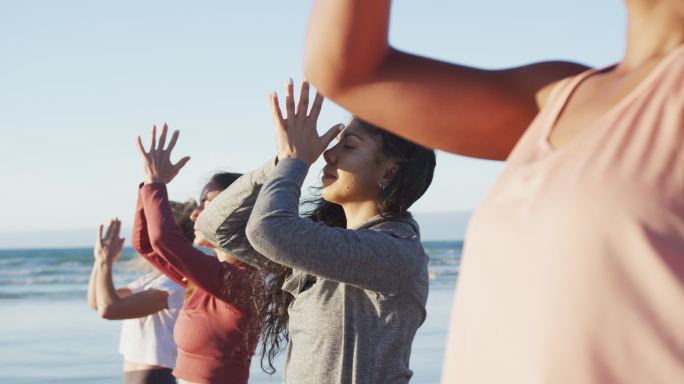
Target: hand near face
{"x":157,"y":162}
{"x":109,"y":247}
{"x":296,"y":133}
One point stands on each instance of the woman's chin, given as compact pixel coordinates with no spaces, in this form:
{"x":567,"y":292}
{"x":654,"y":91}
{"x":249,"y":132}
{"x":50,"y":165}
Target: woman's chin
{"x":327,"y":194}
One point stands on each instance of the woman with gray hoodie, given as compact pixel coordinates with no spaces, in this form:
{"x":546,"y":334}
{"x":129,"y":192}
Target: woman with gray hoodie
{"x":349,"y":280}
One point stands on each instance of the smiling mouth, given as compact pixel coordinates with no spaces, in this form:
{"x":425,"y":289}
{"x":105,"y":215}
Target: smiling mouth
{"x":328,"y":176}
{"x":327,"y":179}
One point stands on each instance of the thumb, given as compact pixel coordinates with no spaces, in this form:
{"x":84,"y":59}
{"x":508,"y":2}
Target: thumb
{"x":332,"y":133}
{"x":181,"y":163}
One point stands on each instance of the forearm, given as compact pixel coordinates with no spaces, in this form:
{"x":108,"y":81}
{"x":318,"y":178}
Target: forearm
{"x":378,"y":259}
{"x":165,"y":237}
{"x":174,"y":249}
{"x":276,"y":209}
{"x":92,"y":297}
{"x":275,"y":228}
{"x":347,"y":41}
{"x":140,"y":239}
{"x":141,"y":243}
{"x":105,"y":292}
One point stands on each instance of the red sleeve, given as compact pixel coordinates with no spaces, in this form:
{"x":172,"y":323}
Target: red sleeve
{"x":222,"y":280}
{"x":141,"y":243}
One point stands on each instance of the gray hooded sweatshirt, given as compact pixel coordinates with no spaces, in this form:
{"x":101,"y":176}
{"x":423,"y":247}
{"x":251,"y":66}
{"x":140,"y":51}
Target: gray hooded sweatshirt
{"x":359,"y":294}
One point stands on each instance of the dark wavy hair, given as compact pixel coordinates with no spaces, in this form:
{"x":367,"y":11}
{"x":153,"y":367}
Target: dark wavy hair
{"x":181,"y":215}
{"x":223,"y":180}
{"x":416,"y":166}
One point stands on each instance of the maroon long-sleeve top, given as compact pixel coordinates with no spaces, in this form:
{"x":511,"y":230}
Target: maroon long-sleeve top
{"x":213,"y":332}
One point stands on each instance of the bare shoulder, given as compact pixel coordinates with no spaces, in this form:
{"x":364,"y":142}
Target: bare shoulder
{"x":557,"y":72}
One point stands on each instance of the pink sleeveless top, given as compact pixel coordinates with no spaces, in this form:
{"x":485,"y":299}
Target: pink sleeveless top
{"x":573,"y":268}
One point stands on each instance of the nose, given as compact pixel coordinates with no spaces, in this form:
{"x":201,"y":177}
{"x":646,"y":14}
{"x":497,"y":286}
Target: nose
{"x":330,"y":156}
{"x":195,"y":214}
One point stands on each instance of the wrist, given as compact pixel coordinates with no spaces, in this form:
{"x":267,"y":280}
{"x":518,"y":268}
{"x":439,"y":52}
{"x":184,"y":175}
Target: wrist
{"x":296,"y":162}
{"x":294,"y":156}
{"x":285,"y":155}
{"x":103,"y":262}
{"x":153,"y":180}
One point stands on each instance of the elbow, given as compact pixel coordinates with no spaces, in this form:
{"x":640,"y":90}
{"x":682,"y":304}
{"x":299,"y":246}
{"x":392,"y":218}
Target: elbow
{"x":332,"y":73}
{"x":259,"y":235}
{"x":107,"y":312}
{"x":252,"y":232}
{"x":157,"y":242}
{"x":137,"y":247}
{"x":270,"y":238}
{"x":326,"y":80}
{"x":331,"y":80}
{"x":138,"y":244}
{"x":336,"y":74}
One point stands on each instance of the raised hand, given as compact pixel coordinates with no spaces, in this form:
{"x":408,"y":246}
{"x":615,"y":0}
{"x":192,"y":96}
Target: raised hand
{"x":296,"y":134}
{"x":157,"y":162}
{"x":109,"y":247}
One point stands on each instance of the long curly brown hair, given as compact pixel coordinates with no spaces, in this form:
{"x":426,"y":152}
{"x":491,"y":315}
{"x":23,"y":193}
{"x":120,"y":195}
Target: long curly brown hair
{"x":412,"y":179}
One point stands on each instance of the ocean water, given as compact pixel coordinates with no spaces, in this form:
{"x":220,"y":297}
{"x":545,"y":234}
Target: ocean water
{"x":49,"y":335}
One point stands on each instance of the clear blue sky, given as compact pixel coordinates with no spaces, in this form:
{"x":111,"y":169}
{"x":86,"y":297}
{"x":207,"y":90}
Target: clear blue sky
{"x":80,"y":79}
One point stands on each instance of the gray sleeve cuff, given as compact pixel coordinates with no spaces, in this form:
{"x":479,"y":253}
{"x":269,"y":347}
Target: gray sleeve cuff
{"x":294,"y":169}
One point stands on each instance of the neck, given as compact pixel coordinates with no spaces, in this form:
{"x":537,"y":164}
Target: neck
{"x":225,"y":257}
{"x":359,"y":213}
{"x":654,"y":28}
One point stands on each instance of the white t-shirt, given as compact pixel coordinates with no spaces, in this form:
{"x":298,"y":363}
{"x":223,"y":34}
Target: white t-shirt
{"x":149,"y":339}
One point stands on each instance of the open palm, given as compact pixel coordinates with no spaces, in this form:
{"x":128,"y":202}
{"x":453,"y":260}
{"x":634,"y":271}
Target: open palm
{"x":157,"y":161}
{"x":296,"y":133}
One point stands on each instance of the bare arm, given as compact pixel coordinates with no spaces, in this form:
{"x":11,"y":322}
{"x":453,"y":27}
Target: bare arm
{"x":111,"y":306}
{"x":92,"y":290}
{"x":116,"y":304}
{"x":92,"y":303}
{"x":469,"y":111}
